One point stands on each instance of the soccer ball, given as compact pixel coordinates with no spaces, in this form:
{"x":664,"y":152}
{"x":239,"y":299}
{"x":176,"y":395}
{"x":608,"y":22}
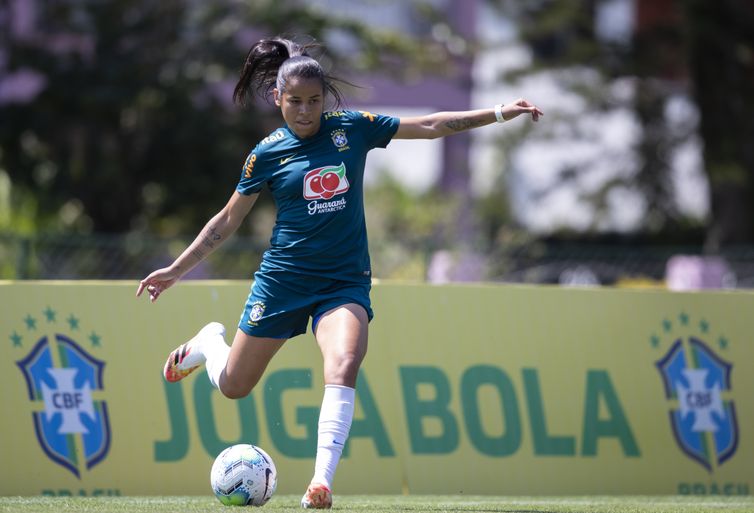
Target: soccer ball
{"x":243,"y":475}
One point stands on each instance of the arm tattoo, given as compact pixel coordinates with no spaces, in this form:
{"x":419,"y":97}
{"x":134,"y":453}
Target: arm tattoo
{"x":211,"y":237}
{"x":461,"y":124}
{"x":198,"y":254}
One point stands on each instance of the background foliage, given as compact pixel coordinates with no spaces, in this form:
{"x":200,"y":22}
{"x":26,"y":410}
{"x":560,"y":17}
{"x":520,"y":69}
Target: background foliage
{"x":133,"y":129}
{"x":127,"y":129}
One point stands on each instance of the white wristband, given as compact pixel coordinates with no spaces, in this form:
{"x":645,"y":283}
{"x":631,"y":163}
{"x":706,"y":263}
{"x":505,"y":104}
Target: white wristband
{"x":499,"y":113}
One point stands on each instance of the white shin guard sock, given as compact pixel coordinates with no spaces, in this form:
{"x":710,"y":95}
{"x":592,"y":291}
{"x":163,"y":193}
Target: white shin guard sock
{"x":217,"y":358}
{"x":335,"y":419}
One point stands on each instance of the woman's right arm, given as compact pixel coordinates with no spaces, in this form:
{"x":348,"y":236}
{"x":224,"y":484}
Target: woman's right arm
{"x":214,"y":233}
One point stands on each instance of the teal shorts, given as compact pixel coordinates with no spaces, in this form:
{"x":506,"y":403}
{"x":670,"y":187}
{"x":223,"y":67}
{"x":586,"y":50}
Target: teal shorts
{"x":281,"y":303}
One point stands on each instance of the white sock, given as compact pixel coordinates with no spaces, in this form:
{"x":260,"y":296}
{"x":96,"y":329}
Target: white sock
{"x":217,"y":359}
{"x":208,"y":347}
{"x":335,"y":419}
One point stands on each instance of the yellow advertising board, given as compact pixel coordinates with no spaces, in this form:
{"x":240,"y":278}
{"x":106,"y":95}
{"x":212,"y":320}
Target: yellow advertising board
{"x":474,"y":389}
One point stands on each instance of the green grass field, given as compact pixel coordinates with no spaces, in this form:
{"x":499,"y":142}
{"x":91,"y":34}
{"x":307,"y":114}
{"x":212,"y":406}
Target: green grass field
{"x":393,"y":503}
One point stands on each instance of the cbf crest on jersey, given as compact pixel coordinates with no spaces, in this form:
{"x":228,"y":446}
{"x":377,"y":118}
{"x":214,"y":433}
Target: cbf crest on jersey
{"x":65,"y":383}
{"x":339,"y":139}
{"x":698,"y":386}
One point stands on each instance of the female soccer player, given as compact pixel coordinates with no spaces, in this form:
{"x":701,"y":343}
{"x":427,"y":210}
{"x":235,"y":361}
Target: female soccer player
{"x":318,"y":263}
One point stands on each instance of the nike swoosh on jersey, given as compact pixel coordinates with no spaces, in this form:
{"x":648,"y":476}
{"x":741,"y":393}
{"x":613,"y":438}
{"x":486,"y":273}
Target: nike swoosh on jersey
{"x":285,"y":160}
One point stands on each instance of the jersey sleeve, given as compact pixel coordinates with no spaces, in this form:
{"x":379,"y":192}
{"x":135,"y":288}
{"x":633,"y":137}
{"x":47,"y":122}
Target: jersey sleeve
{"x":377,"y":128}
{"x":254,"y":174}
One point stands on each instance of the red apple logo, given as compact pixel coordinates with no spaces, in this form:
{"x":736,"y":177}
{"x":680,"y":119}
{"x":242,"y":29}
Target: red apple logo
{"x":325,"y":182}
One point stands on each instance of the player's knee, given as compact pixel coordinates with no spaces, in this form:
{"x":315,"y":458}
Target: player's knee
{"x":235,"y":392}
{"x":235,"y":389}
{"x":345,"y":369}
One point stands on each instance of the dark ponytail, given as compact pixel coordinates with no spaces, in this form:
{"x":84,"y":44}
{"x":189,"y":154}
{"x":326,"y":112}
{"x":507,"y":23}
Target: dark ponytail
{"x":272,"y":62}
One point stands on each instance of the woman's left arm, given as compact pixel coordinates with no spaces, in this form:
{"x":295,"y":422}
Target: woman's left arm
{"x":441,"y":124}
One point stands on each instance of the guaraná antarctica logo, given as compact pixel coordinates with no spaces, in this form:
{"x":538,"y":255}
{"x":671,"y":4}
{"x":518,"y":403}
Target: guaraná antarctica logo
{"x":65,"y":383}
{"x":698,"y":388}
{"x":325,"y":182}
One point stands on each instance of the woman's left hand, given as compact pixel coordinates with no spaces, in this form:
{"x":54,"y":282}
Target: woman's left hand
{"x":521,"y":106}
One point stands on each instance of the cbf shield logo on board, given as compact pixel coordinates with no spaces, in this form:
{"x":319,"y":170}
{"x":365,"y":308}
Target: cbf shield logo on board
{"x":698,"y":386}
{"x":65,"y":383}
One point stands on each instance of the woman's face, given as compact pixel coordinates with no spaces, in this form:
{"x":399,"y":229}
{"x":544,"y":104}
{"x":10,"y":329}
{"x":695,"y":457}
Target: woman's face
{"x":302,"y":104}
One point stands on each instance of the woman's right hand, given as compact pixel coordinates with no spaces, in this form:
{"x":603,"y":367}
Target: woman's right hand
{"x":157,"y":282}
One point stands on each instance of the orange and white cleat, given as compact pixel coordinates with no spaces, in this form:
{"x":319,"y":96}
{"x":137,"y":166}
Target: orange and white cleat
{"x":188,"y":357}
{"x":172,"y":371}
{"x":317,"y":496}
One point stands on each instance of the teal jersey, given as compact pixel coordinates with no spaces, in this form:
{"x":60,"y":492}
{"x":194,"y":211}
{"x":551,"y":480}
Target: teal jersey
{"x":317,"y":184}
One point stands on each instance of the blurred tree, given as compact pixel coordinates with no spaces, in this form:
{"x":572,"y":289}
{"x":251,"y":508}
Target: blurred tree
{"x":692,"y":49}
{"x":721,"y":61}
{"x":659,"y":63}
{"x":592,"y":65}
{"x":406,"y":228}
{"x":129,"y":125}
